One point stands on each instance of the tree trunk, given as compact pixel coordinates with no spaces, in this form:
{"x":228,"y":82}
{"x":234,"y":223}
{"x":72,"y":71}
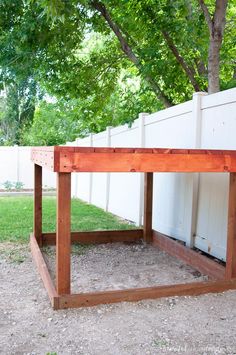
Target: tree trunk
{"x":216,"y":26}
{"x":214,"y":65}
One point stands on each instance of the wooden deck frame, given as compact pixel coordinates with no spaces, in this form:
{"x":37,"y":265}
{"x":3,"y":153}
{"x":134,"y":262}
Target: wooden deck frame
{"x":216,"y":272}
{"x":64,"y":160}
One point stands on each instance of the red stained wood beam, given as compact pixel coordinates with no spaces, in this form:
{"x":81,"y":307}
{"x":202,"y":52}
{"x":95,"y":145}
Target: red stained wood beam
{"x":88,"y":159}
{"x":43,"y":271}
{"x":145,"y":162}
{"x":200,"y":262}
{"x":137,"y":294}
{"x":97,"y":237}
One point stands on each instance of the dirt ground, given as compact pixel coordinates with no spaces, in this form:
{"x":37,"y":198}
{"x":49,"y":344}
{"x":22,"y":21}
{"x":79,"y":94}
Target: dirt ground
{"x":120,"y":266}
{"x":181,"y":325}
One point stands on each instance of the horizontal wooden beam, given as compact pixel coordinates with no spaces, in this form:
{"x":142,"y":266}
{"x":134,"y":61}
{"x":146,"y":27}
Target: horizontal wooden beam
{"x":136,"y":294}
{"x":200,"y":262}
{"x":146,"y":162}
{"x":43,"y":271}
{"x":97,"y":237}
{"x":74,"y":149}
{"x":89,"y":159}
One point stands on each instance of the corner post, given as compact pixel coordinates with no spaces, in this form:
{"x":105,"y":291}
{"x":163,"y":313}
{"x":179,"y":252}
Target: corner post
{"x":148,"y":196}
{"x":63,"y":233}
{"x":230,"y":271}
{"x":38,"y":203}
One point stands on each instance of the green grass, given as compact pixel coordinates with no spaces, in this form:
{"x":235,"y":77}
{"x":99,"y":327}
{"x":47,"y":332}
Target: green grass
{"x":16,"y":218}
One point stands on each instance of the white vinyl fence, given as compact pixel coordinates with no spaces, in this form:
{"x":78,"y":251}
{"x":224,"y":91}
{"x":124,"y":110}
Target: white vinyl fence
{"x":188,"y":207}
{"x":16,"y":166}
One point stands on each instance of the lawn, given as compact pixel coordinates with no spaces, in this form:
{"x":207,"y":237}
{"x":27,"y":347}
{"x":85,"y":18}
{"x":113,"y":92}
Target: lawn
{"x":16,"y":217}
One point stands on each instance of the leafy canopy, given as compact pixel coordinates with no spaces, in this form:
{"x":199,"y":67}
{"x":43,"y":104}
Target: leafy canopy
{"x":104,"y":62}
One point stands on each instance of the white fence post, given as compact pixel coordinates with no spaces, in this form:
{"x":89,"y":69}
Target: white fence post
{"x":90,"y":174}
{"x":17,"y":163}
{"x":197,"y":117}
{"x":191,"y":219}
{"x":141,"y":123}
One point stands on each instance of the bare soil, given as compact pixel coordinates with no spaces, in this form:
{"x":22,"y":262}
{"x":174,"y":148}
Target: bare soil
{"x":121,"y":266}
{"x":180,"y":325}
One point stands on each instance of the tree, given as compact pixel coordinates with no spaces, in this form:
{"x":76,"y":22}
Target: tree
{"x":101,"y":8}
{"x":80,"y":50}
{"x":29,"y":49}
{"x":216,"y":26}
{"x":64,"y":120}
{"x":18,"y":109}
{"x":53,"y":124}
{"x":179,"y":30}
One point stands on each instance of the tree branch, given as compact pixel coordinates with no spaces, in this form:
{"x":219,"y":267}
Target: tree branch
{"x":189,"y":71}
{"x":101,"y":8}
{"x":206,"y":14}
{"x":219,"y":16}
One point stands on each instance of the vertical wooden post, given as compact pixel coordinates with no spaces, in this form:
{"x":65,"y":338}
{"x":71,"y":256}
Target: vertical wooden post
{"x":147,"y":220}
{"x":231,"y":236}
{"x":38,"y":203}
{"x":63,"y":238}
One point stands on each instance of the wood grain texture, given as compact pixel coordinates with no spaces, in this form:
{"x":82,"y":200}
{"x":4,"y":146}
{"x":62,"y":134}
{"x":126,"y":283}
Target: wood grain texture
{"x":97,"y":237}
{"x":63,"y":233}
{"x":200,"y":262}
{"x":90,"y":159}
{"x":146,"y":162}
{"x":231,"y":235}
{"x":43,"y":271}
{"x":148,"y":197}
{"x":38,"y":203}
{"x":136,"y":294}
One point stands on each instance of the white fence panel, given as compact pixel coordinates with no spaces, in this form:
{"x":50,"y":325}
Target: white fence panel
{"x":16,"y":166}
{"x":8,"y":164}
{"x":218,"y":127}
{"x":171,"y":129}
{"x":25,"y":167}
{"x":82,"y":182}
{"x":99,"y":180}
{"x":124,"y":196}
